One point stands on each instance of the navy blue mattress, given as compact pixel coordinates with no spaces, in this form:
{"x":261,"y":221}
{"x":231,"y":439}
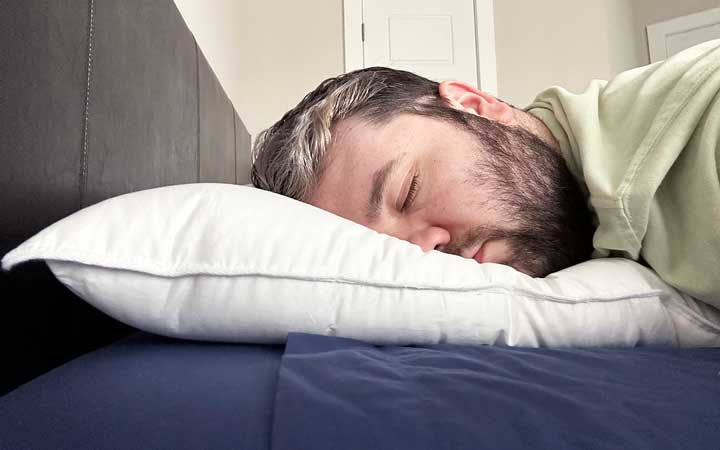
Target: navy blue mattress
{"x":333,"y":393}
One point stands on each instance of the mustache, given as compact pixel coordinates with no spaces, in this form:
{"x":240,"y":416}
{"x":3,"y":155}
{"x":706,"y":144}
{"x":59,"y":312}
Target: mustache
{"x":475,"y":236}
{"x":525,"y":248}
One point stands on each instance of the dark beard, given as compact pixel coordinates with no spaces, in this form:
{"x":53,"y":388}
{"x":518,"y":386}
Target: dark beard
{"x":531,"y":185}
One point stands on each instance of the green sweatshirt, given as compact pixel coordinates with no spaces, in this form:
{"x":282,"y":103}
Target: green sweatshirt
{"x":646,"y":147}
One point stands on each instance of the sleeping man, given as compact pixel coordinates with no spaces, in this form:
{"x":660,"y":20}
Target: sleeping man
{"x":627,"y":168}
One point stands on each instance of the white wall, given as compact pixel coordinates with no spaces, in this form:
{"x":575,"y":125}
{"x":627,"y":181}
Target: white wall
{"x":648,"y":12}
{"x":560,"y":42}
{"x":267,"y":54}
{"x":570,"y":42}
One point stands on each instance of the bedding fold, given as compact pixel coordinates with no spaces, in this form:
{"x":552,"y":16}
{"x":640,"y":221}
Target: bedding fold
{"x":343,"y":393}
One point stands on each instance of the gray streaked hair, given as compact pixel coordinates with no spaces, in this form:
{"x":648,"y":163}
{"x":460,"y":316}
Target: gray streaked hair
{"x":288,"y":157}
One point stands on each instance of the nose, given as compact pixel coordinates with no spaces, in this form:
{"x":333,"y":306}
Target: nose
{"x":429,"y":238}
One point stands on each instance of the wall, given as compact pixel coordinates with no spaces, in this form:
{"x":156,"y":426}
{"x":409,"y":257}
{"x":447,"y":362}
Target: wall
{"x":647,"y":12}
{"x":570,"y":42}
{"x":560,"y":42}
{"x":267,"y":54}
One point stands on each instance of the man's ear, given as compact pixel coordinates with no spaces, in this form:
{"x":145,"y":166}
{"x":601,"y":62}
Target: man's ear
{"x":466,"y":98}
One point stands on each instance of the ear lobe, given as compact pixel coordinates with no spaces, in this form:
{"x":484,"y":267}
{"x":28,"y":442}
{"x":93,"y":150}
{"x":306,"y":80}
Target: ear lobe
{"x":465,"y":97}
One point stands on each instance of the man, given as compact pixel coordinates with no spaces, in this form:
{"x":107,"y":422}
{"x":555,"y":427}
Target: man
{"x":451,"y":168}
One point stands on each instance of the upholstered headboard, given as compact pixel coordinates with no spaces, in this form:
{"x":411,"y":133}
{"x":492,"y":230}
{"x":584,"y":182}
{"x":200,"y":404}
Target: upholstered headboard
{"x":97,"y":98}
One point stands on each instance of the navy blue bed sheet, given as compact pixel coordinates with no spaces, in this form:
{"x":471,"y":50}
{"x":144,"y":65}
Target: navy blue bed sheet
{"x":149,"y":392}
{"x":338,"y":393}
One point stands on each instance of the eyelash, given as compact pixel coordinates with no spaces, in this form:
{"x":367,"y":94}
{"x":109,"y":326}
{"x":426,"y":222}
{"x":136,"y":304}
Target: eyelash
{"x":411,"y":194}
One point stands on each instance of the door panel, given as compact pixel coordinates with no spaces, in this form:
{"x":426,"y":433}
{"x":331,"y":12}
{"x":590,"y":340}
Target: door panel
{"x":431,"y":38}
{"x":672,"y":36}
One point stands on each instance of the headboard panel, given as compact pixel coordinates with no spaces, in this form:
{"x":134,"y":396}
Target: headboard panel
{"x":42,"y":80}
{"x":143,"y":100}
{"x":216,"y":128}
{"x":243,"y":159}
{"x":97,"y":98}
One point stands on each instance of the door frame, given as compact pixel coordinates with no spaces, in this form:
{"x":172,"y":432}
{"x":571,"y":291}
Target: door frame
{"x":658,"y":32}
{"x":484,"y":41}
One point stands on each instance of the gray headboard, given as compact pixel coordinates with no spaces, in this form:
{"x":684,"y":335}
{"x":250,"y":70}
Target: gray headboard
{"x":97,"y":98}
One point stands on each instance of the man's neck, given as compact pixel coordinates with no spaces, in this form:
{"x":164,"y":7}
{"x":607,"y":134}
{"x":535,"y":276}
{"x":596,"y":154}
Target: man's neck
{"x":536,"y":127}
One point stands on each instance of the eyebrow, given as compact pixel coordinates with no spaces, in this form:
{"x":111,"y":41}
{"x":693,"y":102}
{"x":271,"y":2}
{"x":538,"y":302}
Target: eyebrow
{"x":380,"y":178}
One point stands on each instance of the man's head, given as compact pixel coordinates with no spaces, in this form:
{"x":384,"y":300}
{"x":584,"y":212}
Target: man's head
{"x":444,"y":166}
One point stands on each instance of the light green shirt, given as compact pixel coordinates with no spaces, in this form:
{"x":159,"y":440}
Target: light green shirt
{"x":646,"y":147}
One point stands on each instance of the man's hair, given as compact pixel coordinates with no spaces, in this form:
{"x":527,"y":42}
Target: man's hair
{"x":288,"y":157}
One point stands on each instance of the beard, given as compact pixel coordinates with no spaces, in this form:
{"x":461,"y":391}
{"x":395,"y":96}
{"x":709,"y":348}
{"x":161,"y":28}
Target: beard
{"x":549,"y":224}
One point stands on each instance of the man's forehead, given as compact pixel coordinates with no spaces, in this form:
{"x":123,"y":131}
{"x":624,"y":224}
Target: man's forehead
{"x":361,"y":146}
{"x":354,"y":143}
{"x":359,"y":138}
{"x":354,"y":155}
{"x":351,"y":131}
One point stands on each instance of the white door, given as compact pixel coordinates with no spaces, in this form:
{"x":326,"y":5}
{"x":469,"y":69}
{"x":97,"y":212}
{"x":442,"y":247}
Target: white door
{"x":672,"y":36}
{"x":437,"y":39}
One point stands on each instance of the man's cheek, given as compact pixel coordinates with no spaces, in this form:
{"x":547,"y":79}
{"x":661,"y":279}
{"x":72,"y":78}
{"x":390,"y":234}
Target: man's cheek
{"x":497,"y":251}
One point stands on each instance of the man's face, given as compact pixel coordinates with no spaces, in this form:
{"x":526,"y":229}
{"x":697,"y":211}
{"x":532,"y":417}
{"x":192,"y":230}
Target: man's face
{"x":425,"y":181}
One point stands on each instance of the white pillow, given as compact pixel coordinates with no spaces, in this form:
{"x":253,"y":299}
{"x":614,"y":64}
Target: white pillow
{"x":232,"y":263}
